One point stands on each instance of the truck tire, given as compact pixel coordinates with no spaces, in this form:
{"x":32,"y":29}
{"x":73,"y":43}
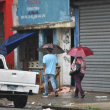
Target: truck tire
{"x":20,"y":102}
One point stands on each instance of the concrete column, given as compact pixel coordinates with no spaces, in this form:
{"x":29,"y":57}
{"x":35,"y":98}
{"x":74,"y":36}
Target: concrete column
{"x":60,"y":56}
{"x":14,"y":9}
{"x":41,"y":42}
{"x":18,"y":62}
{"x":55,"y":42}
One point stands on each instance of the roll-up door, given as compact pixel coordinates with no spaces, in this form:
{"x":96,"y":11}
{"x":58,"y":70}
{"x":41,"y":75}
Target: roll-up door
{"x":94,"y":32}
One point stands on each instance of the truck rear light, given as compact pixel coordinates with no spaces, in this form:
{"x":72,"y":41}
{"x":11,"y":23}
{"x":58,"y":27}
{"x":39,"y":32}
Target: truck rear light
{"x":37,"y":78}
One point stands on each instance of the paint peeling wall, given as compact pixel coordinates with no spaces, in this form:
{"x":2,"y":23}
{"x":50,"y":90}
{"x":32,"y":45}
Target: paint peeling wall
{"x":60,"y":56}
{"x":66,"y":58}
{"x":64,"y":41}
{"x":40,"y":11}
{"x":41,"y":42}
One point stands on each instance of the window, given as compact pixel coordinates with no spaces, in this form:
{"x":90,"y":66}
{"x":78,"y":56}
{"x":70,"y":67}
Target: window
{"x":28,"y":49}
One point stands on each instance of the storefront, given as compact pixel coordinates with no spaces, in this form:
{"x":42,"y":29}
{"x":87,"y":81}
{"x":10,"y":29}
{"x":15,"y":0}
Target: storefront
{"x":6,"y":21}
{"x":93,"y":31}
{"x":51,"y":26}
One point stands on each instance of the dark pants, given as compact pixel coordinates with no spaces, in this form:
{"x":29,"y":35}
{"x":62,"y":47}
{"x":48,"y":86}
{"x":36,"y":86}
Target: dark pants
{"x":78,"y":78}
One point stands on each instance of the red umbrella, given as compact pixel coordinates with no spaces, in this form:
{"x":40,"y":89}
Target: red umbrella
{"x":80,"y":51}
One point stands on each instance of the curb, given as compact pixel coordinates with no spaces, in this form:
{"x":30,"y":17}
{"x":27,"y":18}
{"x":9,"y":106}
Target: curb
{"x":61,"y":108}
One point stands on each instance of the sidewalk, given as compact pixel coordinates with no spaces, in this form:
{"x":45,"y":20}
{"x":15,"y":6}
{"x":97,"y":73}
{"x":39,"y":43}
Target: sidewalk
{"x":91,"y":100}
{"x":100,"y":101}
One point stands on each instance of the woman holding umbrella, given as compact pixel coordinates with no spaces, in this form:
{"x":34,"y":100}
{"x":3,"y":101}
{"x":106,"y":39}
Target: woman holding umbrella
{"x":79,"y":52}
{"x":79,"y":77}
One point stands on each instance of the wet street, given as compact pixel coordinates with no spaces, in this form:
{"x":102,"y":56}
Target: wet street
{"x":92,"y":100}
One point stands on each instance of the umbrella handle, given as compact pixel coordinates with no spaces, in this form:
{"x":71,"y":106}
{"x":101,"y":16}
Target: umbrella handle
{"x":74,"y":61}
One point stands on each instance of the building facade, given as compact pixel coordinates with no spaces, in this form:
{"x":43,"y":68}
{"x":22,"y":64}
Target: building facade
{"x":6,"y":21}
{"x":54,"y":22}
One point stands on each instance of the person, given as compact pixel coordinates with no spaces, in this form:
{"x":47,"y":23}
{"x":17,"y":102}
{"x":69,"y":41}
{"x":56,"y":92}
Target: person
{"x":79,"y":77}
{"x":49,"y":66}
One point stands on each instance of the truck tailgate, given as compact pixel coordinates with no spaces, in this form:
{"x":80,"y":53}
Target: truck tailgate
{"x":16,"y":76}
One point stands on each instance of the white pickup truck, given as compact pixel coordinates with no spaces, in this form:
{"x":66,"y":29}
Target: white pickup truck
{"x":15,"y":85}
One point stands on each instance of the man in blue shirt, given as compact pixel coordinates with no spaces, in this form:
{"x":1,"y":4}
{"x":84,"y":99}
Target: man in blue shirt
{"x":49,"y":66}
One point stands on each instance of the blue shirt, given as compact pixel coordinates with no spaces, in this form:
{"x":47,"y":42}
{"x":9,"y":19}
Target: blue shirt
{"x":50,"y":61}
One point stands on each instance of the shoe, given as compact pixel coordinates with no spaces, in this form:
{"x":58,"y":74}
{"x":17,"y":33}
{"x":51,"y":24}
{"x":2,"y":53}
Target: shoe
{"x":45,"y":95}
{"x":56,"y":94}
{"x":76,"y":96}
{"x":82,"y":96}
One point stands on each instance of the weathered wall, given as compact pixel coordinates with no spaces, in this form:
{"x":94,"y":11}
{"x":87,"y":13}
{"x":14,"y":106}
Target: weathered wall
{"x":40,"y":11}
{"x":60,"y":56}
{"x":15,"y":2}
{"x":14,"y":9}
{"x":64,"y":41}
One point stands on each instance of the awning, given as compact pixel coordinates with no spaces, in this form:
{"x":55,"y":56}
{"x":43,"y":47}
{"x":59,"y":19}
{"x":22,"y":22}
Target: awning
{"x":13,"y":41}
{"x":62,"y":24}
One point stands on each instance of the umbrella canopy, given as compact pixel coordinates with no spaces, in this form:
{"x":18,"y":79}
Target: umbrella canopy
{"x":80,"y":51}
{"x":56,"y":48}
{"x":12,"y":42}
{"x":3,"y":51}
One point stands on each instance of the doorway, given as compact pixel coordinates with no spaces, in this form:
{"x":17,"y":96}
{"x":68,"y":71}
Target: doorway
{"x":49,"y":36}
{"x":72,"y":58}
{"x":1,"y":28}
{"x":27,"y":50}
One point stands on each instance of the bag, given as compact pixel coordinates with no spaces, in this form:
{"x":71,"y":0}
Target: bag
{"x":75,"y":70}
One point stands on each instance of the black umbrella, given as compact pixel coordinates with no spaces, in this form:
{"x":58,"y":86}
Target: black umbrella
{"x":56,"y":48}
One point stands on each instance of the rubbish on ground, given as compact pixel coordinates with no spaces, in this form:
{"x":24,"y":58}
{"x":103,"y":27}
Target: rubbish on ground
{"x":39,"y":104}
{"x":100,"y":96}
{"x":28,"y":102}
{"x":71,"y":104}
{"x":63,"y":90}
{"x":72,"y":90}
{"x":10,"y":104}
{"x":49,"y":104}
{"x":47,"y":109}
{"x":90,"y":107}
{"x":104,"y":99}
{"x":28,"y":107}
{"x":4,"y":104}
{"x":52,"y":104}
{"x":33,"y":103}
{"x":43,"y":104}
{"x":85,"y":92}
{"x":39,"y":107}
